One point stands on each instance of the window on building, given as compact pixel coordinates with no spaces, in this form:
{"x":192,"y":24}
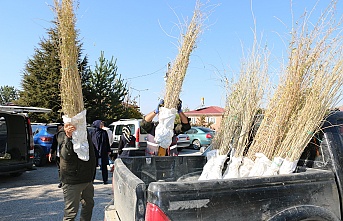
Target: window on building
{"x":193,"y":120}
{"x":211,"y":120}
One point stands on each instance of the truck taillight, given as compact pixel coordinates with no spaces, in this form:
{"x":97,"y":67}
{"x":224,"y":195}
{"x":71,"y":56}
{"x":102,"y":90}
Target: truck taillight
{"x":137,"y":135}
{"x":208,"y":136}
{"x":154,"y":213}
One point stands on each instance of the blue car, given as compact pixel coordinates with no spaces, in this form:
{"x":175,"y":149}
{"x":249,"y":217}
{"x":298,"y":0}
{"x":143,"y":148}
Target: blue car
{"x":200,"y":136}
{"x":42,"y":138}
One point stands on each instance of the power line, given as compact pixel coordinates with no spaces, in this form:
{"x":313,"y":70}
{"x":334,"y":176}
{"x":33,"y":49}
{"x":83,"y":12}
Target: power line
{"x":144,"y":75}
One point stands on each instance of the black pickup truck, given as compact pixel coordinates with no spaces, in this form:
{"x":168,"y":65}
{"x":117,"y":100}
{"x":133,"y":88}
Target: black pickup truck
{"x":167,"y":188}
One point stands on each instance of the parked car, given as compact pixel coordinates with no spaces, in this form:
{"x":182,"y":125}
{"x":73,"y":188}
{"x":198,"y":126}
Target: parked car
{"x":183,"y":141}
{"x":200,"y":136}
{"x":139,"y":133}
{"x":16,"y":140}
{"x":16,"y":145}
{"x":42,"y":138}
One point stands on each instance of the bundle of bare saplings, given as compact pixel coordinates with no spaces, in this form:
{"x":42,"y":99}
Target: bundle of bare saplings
{"x":164,"y":130}
{"x":309,"y":87}
{"x":71,"y":90}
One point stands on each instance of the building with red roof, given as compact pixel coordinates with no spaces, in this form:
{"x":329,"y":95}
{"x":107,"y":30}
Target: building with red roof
{"x":212,"y":115}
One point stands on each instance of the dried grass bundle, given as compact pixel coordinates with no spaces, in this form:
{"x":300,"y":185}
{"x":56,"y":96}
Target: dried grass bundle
{"x":312,"y":80}
{"x":71,"y":90}
{"x":178,"y":70}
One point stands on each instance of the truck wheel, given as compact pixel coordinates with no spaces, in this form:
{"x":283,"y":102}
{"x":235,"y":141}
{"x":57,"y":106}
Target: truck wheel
{"x":39,"y":157}
{"x":196,"y":144}
{"x":305,"y":213}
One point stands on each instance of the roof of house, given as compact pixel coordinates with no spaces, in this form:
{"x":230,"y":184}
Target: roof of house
{"x":211,"y":110}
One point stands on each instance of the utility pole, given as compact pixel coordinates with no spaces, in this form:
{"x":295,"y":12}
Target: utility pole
{"x":139,"y":95}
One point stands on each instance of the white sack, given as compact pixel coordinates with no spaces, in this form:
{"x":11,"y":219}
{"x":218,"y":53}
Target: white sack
{"x":274,"y":168}
{"x":233,"y":167}
{"x":165,"y":129}
{"x":80,"y":142}
{"x":288,"y":167}
{"x":213,"y":168}
{"x":246,"y":167}
{"x":260,"y":165}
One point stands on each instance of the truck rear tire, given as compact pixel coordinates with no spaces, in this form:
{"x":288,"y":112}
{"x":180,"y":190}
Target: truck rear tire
{"x":305,"y":213}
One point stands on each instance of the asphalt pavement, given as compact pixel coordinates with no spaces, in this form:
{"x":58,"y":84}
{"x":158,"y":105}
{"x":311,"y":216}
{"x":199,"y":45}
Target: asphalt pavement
{"x":35,"y":196}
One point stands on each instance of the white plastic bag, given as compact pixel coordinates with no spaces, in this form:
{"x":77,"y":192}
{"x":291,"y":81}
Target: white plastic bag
{"x":288,"y":167}
{"x":213,"y":168}
{"x":80,"y":142}
{"x":232,"y":170}
{"x":246,"y":167}
{"x":260,"y":165}
{"x":274,"y":168}
{"x":165,"y":129}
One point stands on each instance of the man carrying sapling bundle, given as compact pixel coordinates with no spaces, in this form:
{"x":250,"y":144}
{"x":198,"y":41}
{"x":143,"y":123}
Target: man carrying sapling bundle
{"x":153,"y":148}
{"x":76,"y":176}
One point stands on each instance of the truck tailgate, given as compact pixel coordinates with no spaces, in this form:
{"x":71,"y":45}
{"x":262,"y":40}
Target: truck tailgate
{"x":247,"y":199}
{"x":128,"y":192}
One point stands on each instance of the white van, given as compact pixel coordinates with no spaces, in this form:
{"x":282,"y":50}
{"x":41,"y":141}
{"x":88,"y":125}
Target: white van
{"x":139,"y":133}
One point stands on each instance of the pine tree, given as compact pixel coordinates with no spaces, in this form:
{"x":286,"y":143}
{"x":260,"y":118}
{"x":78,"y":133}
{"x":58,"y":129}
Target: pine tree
{"x":105,"y":91}
{"x":8,"y":94}
{"x":41,"y":78}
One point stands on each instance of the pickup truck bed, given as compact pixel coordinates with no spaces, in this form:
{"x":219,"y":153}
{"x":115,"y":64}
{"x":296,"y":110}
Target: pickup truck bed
{"x":167,"y":188}
{"x":182,"y":198}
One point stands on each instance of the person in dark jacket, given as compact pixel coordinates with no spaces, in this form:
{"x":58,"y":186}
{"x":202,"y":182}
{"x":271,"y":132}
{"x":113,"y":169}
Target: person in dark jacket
{"x":152,"y":147}
{"x":55,"y":149}
{"x":76,"y":176}
{"x":126,"y":141}
{"x":102,"y":148}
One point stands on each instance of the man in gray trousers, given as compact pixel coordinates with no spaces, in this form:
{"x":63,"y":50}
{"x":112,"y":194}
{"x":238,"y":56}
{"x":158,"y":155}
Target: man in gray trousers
{"x":76,"y":176}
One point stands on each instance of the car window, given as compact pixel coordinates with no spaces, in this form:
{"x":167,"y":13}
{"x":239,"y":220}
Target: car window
{"x":35,"y":129}
{"x":3,"y":136}
{"x":206,"y":130}
{"x":191,"y":131}
{"x":51,"y":130}
{"x":142,"y":131}
{"x":111,"y":127}
{"x":119,"y":129}
{"x":3,"y":126}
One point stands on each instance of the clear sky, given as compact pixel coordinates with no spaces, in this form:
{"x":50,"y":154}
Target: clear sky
{"x":139,"y":34}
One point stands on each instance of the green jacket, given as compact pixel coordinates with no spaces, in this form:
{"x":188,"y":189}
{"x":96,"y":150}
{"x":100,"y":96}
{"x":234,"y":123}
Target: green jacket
{"x":72,"y":169}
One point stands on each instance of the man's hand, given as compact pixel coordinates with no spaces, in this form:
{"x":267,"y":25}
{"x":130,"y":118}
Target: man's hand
{"x":69,"y":128}
{"x":179,"y":106}
{"x":160,"y":104}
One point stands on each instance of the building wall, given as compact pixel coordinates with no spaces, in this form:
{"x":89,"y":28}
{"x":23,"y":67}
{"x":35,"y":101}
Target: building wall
{"x":209,"y":118}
